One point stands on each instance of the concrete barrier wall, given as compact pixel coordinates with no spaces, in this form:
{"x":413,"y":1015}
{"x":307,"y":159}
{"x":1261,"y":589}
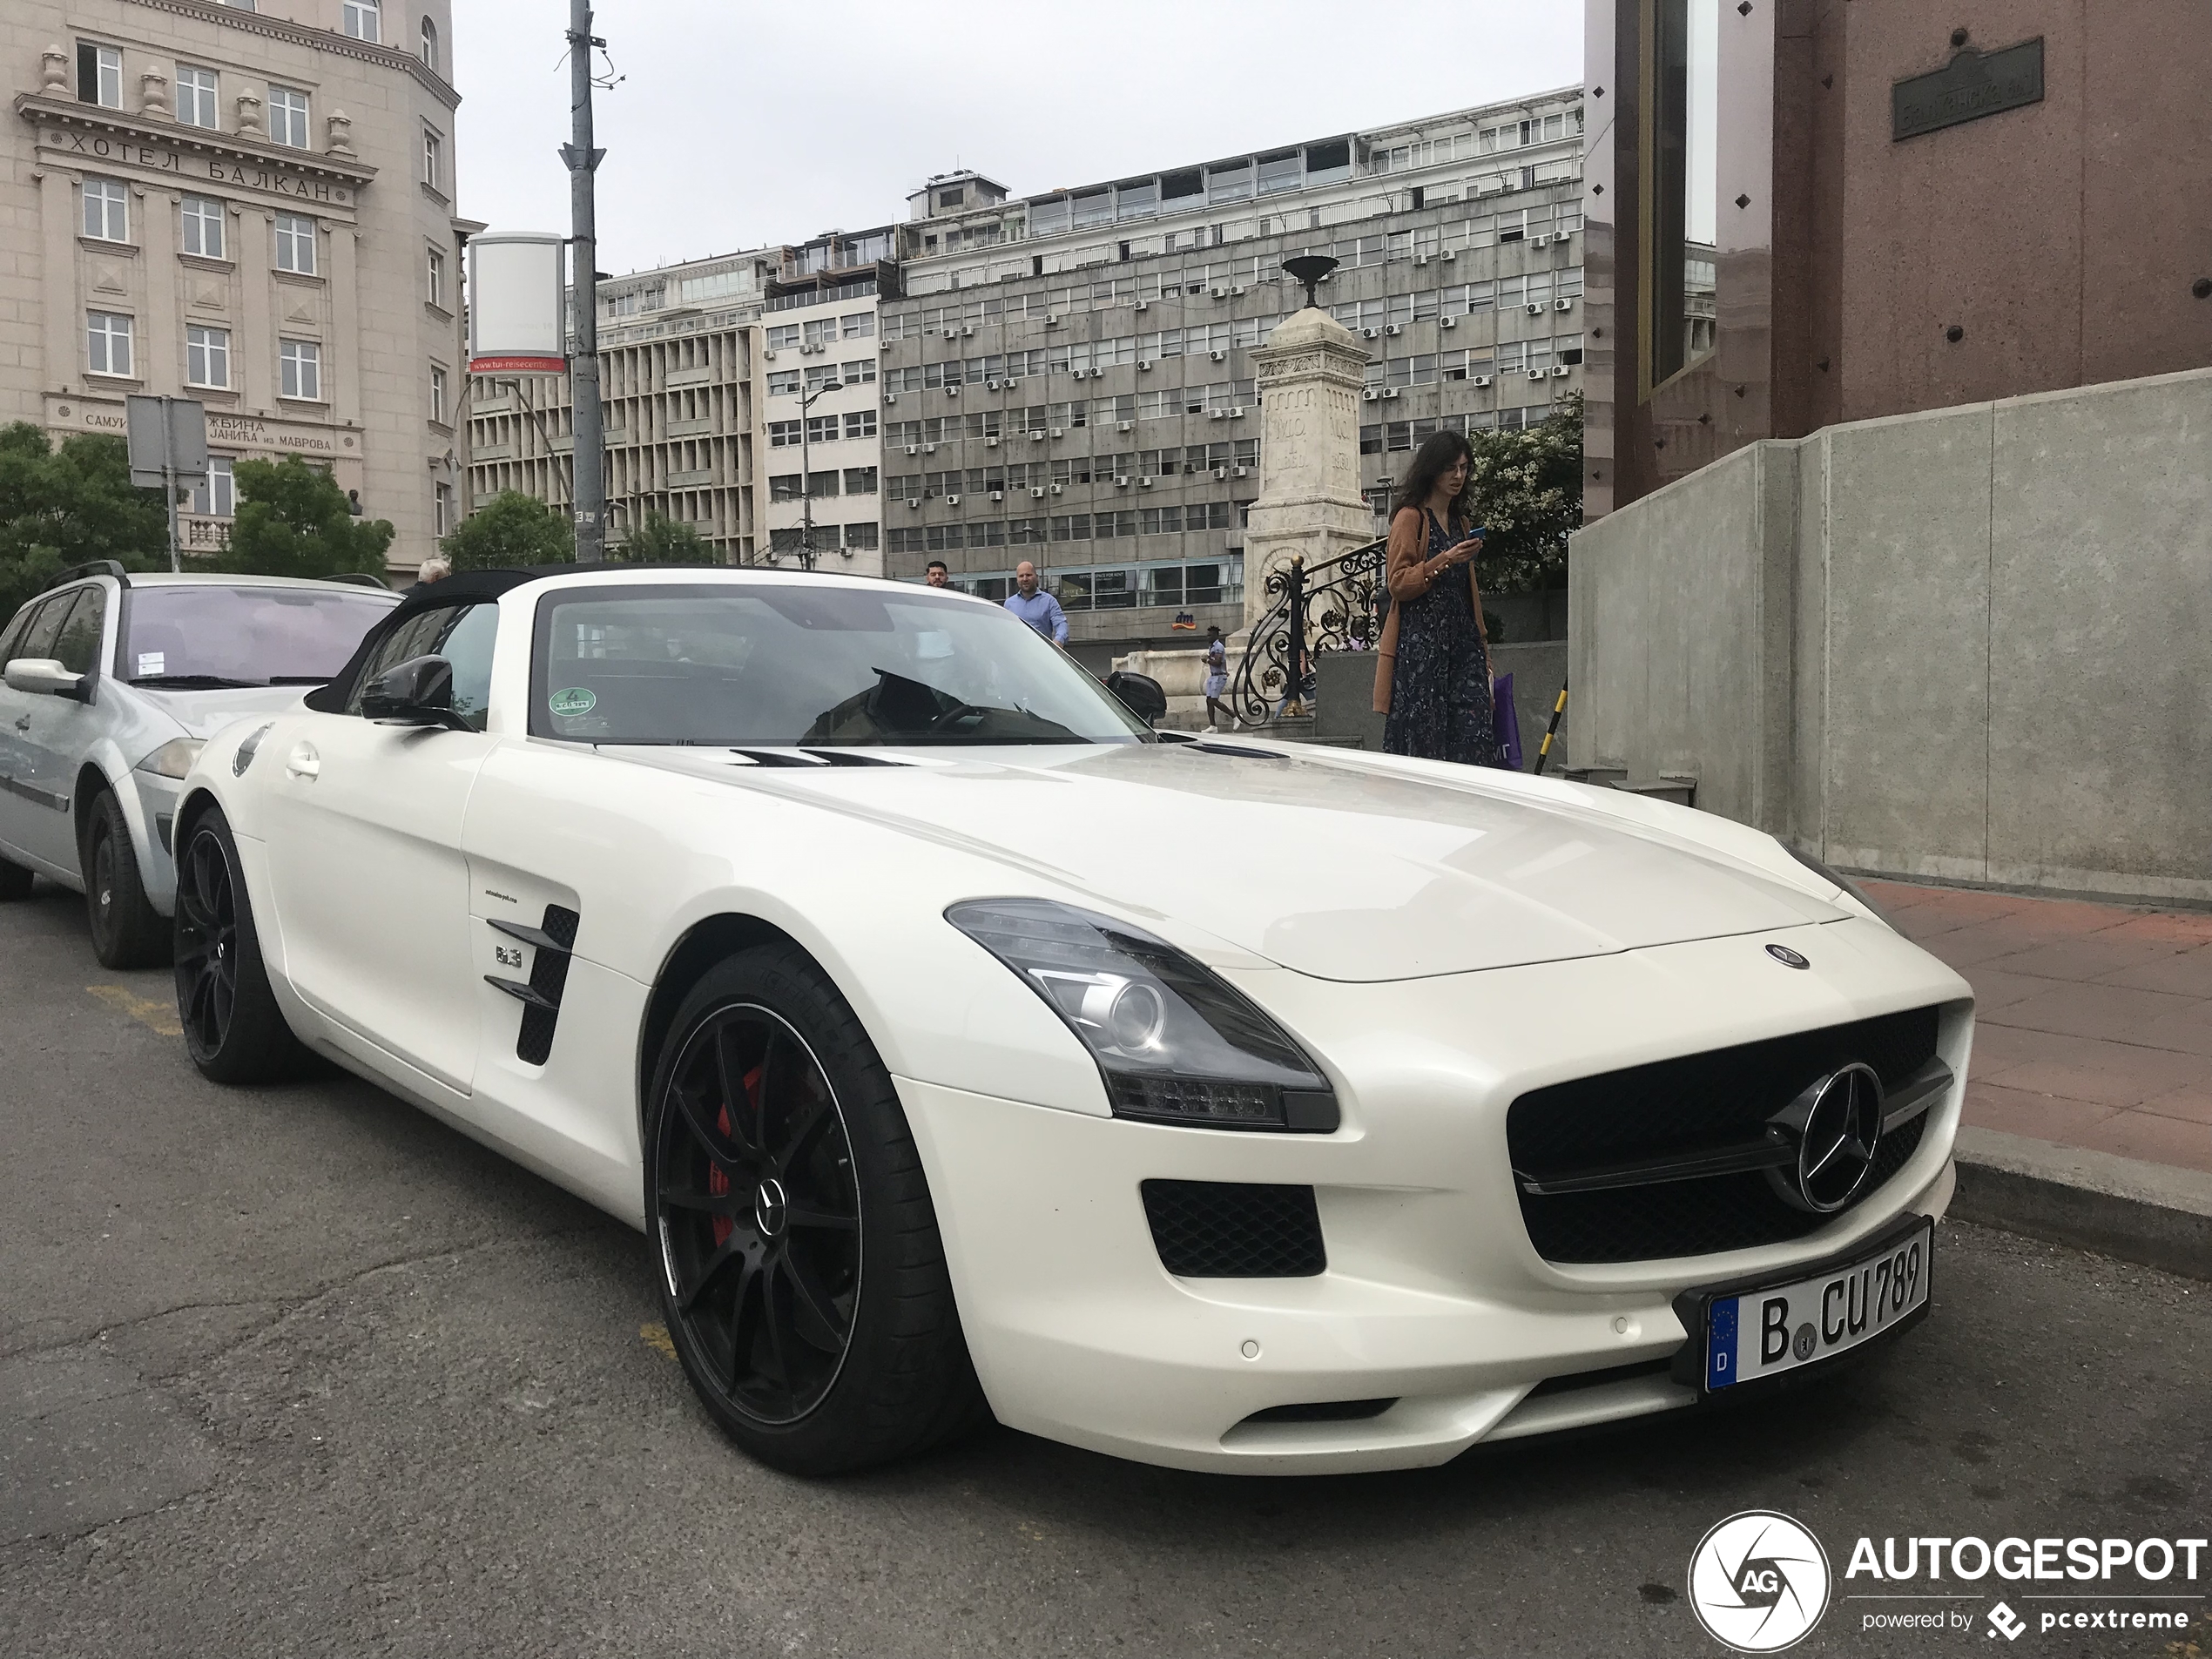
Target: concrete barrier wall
{"x":1974,"y":643}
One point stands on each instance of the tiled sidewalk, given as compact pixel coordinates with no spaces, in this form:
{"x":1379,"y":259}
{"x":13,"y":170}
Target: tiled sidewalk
{"x":2094,"y":1022}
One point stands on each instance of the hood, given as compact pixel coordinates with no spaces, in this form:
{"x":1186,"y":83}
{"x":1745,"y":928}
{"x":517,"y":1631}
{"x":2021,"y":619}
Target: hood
{"x":203,"y":714}
{"x":1328,"y":869}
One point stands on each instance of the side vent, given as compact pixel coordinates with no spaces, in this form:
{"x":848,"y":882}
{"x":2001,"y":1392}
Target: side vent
{"x":541,"y":998}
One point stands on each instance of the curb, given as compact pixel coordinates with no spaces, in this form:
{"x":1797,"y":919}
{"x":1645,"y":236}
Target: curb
{"x":2150,"y":1213}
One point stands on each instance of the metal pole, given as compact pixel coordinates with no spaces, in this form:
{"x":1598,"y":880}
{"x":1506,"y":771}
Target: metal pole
{"x":169,"y":480}
{"x":588,"y":460}
{"x":805,"y":491}
{"x":1543,"y":751}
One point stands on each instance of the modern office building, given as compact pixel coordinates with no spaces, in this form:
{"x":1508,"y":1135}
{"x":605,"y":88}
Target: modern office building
{"x":250,"y":210}
{"x":1066,"y":378}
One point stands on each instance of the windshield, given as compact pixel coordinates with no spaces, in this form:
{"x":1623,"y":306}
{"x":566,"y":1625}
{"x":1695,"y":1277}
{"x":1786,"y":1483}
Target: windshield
{"x":205,"y":636}
{"x":780,"y":665}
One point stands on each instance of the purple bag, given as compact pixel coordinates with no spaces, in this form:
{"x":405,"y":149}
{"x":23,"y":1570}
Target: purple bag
{"x":1506,"y":724}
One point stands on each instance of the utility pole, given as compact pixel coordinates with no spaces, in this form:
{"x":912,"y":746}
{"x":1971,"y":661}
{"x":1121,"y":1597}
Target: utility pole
{"x":807,"y":474}
{"x":588,"y":461}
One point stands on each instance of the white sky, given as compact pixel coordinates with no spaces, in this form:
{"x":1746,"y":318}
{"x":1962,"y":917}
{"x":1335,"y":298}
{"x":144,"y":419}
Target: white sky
{"x":743,"y":123}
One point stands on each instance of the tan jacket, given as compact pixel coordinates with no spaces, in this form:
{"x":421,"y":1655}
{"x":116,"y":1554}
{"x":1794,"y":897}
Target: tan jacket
{"x":1404,"y":575}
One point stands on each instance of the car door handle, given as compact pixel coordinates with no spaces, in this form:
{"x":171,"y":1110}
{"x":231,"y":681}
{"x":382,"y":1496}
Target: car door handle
{"x":303,"y":761}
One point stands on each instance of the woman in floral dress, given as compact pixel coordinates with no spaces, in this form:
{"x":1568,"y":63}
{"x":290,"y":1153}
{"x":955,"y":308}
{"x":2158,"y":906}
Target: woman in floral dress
{"x":1434,"y":676}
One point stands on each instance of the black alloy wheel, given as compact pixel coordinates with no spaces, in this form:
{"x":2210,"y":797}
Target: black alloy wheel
{"x":803,"y":1278}
{"x":127,"y":931}
{"x":233,"y":1029}
{"x":760,"y":1212}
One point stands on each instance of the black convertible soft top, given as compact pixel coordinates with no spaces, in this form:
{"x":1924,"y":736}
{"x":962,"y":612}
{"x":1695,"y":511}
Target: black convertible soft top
{"x":463,"y":587}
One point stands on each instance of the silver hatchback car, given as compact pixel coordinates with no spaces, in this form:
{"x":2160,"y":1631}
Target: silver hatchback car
{"x":112,"y":682}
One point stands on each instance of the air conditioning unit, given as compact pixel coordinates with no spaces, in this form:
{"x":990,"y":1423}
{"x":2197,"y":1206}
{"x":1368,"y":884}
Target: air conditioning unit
{"x":1221,"y":294}
{"x":952,"y":501}
{"x":914,"y":448}
{"x":1559,"y":371}
{"x":1144,"y":483}
{"x":1370,"y":333}
{"x":913,"y":501}
{"x":1239,"y":472}
{"x":990,"y":443}
{"x":1420,"y":258}
{"x":1143,"y":364}
{"x":1394,"y":328}
{"x":1541,"y":241}
{"x":1369,"y":396}
{"x":1447,"y":322}
{"x":1221,"y":472}
{"x":1056,"y":489}
{"x":998,"y":495}
{"x":1036,"y":492}
{"x":1141,"y":304}
{"x":991,"y":385}
{"x":1035,"y":436}
{"x":967,"y":328}
{"x":1237,"y":413}
{"x":1121,"y":481}
{"x":1535,"y":307}
{"x":1450,"y":253}
{"x":1562,"y":305}
{"x":1051,"y":321}
{"x":766,"y":355}
{"x":952,"y":388}
{"x":1236,"y":290}
{"x":952,"y":334}
{"x":1053,"y":431}
{"x":1389,"y":391}
{"x":929,"y":448}
{"x":1481,"y":380}
{"x":1123,"y":426}
{"x":1535,"y":373}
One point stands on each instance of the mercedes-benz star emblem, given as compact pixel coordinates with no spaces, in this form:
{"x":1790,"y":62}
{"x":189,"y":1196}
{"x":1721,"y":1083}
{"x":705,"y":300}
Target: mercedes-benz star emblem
{"x":1787,"y":957}
{"x":1835,"y":1126}
{"x":771,"y":1209}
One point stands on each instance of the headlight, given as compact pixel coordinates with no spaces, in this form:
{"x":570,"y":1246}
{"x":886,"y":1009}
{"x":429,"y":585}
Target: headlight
{"x":173,"y":759}
{"x":1843,"y":881}
{"x":1175,"y":1043}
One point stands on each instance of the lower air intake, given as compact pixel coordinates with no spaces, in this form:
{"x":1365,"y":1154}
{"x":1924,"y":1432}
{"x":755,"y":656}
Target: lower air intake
{"x":1235,"y":1230}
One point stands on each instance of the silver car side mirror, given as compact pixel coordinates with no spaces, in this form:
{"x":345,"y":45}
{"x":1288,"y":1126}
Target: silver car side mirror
{"x":45,"y":677}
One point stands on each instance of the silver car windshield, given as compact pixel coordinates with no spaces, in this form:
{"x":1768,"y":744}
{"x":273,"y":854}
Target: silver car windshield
{"x":202,"y":636}
{"x":778,"y":665}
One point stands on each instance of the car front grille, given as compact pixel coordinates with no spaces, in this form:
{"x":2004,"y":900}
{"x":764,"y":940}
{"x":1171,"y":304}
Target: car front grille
{"x":1685,"y":1107}
{"x":1234,"y":1230}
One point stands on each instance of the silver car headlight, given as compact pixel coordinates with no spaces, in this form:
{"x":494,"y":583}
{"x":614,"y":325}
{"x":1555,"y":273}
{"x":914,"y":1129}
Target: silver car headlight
{"x":173,"y":759}
{"x":1175,"y":1043}
{"x":1841,"y":880}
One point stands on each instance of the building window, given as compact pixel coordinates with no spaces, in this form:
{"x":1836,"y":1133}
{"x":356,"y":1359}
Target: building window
{"x":861,"y":537}
{"x":857,"y":325}
{"x":784,"y":337}
{"x":365,"y":19}
{"x":782,"y":382}
{"x":432,"y":158}
{"x":215,"y":495}
{"x":301,"y":363}
{"x":821,"y":428}
{"x":203,"y":222}
{"x":196,"y":96}
{"x":859,"y":481}
{"x":100,"y":75}
{"x":427,"y":47}
{"x":785,"y":486}
{"x":207,"y":357}
{"x":287,"y":115}
{"x":295,"y":244}
{"x":437,"y":394}
{"x":783,"y":434}
{"x":821,"y":484}
{"x":107,"y":210}
{"x":441,"y":510}
{"x":1682,"y":143}
{"x":434,"y":277}
{"x":108,"y":337}
{"x":860,"y":423}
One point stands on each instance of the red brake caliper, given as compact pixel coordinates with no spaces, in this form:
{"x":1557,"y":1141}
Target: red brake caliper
{"x":717,"y":1183}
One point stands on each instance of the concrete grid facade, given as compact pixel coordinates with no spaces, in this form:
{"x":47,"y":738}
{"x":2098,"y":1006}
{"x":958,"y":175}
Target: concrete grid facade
{"x":1066,"y":378}
{"x":253,"y":211}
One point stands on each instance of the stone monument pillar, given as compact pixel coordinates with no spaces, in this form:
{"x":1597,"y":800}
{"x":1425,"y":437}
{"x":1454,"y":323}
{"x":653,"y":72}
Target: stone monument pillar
{"x":1309,"y":507}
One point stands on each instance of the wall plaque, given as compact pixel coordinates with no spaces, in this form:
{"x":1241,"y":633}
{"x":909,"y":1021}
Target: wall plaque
{"x":1972,"y":85}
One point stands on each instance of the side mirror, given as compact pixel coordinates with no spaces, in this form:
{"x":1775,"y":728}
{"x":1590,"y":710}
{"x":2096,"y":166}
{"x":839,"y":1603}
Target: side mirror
{"x":44,"y":676}
{"x":416,"y":693}
{"x":1141,"y":694}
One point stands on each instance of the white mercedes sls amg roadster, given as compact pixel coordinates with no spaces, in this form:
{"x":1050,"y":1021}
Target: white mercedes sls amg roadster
{"x":963,"y":1046}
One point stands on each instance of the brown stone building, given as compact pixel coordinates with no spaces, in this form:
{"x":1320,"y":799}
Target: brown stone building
{"x":1801,"y":213}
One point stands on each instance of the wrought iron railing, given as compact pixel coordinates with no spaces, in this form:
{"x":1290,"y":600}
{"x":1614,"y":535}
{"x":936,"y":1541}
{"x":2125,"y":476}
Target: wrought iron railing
{"x":1311,"y":610}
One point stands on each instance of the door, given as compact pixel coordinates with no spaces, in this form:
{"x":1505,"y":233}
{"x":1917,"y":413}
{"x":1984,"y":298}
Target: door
{"x":365,"y":862}
{"x":27,"y":814}
{"x":62,"y":730}
{"x":15,"y":728}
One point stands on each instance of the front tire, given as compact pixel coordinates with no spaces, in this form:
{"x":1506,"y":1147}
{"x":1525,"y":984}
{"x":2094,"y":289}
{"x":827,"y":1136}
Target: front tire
{"x":233,"y":1029}
{"x":801,"y":1273}
{"x":127,"y":931}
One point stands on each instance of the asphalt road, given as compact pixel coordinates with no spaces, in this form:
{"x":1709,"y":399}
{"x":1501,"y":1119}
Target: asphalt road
{"x":299,"y":1372}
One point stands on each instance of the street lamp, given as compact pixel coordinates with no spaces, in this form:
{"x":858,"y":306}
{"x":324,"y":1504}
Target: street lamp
{"x":806,"y":474}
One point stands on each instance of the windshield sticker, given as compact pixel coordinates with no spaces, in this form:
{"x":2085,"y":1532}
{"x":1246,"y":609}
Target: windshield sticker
{"x":573,"y":700}
{"x":152,"y":662}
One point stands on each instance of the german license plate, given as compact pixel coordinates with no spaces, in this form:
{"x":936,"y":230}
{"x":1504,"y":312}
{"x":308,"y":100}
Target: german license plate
{"x":1750,"y":1334}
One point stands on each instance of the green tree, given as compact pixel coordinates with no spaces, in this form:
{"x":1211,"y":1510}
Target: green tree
{"x":1526,"y":487}
{"x":293,"y":520}
{"x":60,"y":507}
{"x":513,"y":532}
{"x":659,"y":539}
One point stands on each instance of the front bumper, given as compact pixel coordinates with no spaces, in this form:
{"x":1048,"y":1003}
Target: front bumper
{"x":1433,"y":1296}
{"x":154,"y":824}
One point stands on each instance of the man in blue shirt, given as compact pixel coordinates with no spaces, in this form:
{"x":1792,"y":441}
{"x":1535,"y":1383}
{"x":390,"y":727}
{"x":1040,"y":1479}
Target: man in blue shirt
{"x":1037,"y":607}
